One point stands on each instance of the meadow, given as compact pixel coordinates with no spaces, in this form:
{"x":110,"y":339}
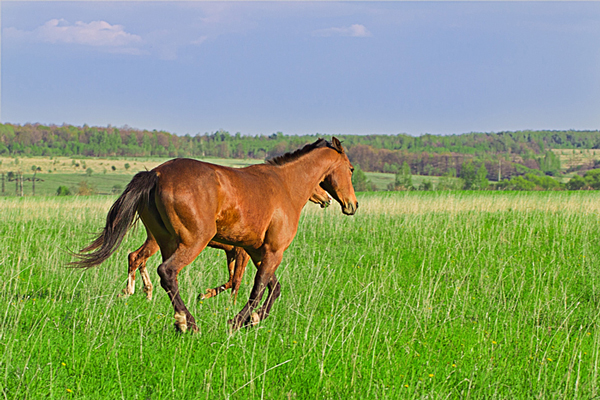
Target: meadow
{"x":104,"y":173}
{"x":571,"y":158}
{"x":465,"y":295}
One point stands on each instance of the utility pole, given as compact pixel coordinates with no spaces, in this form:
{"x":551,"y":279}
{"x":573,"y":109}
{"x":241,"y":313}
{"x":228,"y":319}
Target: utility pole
{"x":33,"y":181}
{"x":499,"y":169}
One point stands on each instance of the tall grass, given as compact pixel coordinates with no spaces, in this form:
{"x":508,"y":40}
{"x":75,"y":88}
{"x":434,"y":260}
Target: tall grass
{"x":459,"y":295}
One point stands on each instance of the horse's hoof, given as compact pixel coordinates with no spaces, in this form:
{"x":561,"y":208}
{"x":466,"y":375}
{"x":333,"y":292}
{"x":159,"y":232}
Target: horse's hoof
{"x":181,"y":322}
{"x":209,"y":293}
{"x":254,"y":319}
{"x":234,"y":325}
{"x":231,"y":328}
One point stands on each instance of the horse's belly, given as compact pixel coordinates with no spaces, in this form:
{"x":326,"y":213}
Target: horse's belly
{"x":239,"y":234}
{"x":239,"y":241}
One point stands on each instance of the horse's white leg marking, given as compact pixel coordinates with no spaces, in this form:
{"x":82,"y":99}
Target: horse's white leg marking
{"x":254,"y":319}
{"x":130,"y":288}
{"x":131,"y":283}
{"x":181,"y":321}
{"x":147,"y":284}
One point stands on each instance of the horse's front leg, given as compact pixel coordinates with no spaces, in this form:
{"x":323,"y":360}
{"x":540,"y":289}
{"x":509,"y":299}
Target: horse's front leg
{"x":265,"y":272}
{"x":274,"y":291}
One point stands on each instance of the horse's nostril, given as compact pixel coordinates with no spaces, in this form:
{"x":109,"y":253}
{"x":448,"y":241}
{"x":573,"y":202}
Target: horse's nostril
{"x":357,"y":204}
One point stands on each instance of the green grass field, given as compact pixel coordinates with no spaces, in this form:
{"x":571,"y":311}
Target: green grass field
{"x":381,"y":180}
{"x":419,"y":295}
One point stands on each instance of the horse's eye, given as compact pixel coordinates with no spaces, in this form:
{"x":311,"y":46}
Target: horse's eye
{"x":352,"y":169}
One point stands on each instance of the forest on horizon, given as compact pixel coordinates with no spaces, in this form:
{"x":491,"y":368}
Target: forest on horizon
{"x":503,"y":154}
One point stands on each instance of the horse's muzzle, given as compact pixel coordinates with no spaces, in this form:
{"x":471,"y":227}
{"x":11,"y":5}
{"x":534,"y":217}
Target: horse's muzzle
{"x":350,"y":208}
{"x":325,"y":204}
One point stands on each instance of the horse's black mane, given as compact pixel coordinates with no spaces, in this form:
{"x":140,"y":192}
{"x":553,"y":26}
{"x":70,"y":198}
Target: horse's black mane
{"x":289,"y":157}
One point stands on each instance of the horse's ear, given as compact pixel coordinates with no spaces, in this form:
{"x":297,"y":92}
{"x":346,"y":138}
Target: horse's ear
{"x":336,"y":144}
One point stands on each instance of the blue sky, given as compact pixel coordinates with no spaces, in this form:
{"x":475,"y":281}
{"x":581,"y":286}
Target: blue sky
{"x":303,"y":67}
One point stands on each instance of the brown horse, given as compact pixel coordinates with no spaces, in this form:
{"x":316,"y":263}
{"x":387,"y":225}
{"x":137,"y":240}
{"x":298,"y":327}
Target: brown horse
{"x":185,"y":204}
{"x":237,"y":260}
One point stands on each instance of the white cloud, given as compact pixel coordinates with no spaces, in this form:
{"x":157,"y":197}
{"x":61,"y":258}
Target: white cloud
{"x":355,"y":30}
{"x":95,"y":33}
{"x":200,"y":40}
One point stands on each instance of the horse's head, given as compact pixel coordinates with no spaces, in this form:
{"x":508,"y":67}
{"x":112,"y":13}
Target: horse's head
{"x":320,"y":197}
{"x":338,"y":181}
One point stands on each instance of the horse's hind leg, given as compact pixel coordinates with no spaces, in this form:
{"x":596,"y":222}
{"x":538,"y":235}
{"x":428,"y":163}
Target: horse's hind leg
{"x":168,"y":272}
{"x":137,"y":260}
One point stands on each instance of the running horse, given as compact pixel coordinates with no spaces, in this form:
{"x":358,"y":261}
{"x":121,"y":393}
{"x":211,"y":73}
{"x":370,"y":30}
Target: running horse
{"x":237,"y":260}
{"x":185,"y":204}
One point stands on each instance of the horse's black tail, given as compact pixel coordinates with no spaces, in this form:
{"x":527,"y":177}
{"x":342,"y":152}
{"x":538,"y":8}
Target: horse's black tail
{"x":118,"y":221}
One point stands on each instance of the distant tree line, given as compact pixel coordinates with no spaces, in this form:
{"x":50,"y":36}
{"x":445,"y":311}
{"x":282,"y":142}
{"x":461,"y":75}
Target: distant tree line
{"x":472,"y":178}
{"x":69,"y":140}
{"x":502,"y":155}
{"x":66,"y":140}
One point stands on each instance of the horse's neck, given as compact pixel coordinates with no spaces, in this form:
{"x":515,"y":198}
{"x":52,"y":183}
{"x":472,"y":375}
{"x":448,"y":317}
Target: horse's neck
{"x":303,"y":175}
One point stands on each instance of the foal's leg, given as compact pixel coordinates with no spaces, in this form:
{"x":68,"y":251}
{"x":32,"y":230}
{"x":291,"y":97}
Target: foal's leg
{"x":137,"y":260}
{"x":241,"y":261}
{"x":266,"y":269}
{"x":231,"y":267}
{"x":237,"y":259}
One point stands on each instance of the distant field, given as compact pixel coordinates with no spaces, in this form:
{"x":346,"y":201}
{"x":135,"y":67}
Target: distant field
{"x":62,"y":171}
{"x":382,"y":180}
{"x":470,"y":295}
{"x":70,"y":172}
{"x":574,"y":157}
{"x":69,"y":165}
